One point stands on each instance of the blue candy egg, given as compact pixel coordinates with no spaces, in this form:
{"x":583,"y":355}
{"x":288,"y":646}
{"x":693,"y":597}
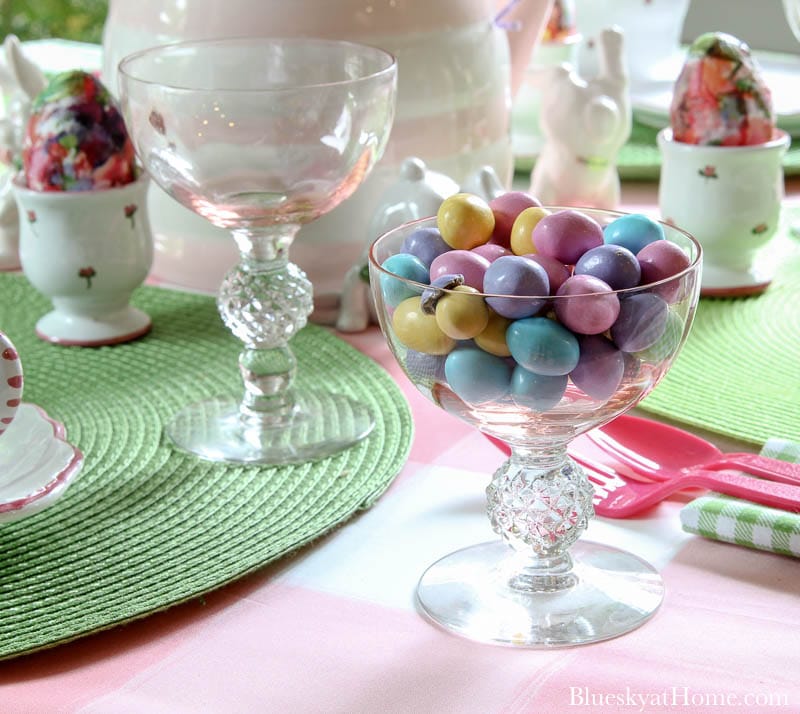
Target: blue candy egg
{"x":633,"y":231}
{"x":406,"y":266}
{"x":476,"y":376}
{"x":539,"y":392}
{"x":426,"y":244}
{"x":543,"y":346}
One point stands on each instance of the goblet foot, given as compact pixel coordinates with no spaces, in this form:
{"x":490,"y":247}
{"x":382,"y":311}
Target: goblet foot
{"x":112,"y":328}
{"x":321,"y":424}
{"x":486,"y":593}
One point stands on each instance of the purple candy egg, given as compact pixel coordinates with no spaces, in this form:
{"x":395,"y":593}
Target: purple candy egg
{"x":515,"y":275}
{"x":426,"y":244}
{"x":659,"y":260}
{"x":600,"y":367}
{"x":566,"y":235}
{"x":641,"y":322}
{"x":471,"y":265}
{"x":613,"y":264}
{"x":586,"y":305}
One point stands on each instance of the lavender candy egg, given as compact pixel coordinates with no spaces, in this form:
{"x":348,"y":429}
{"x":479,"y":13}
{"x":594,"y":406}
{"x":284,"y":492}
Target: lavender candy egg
{"x":633,"y":231}
{"x":586,"y":305}
{"x":566,"y":235}
{"x":425,"y":368}
{"x":426,"y":244}
{"x":516,"y":275}
{"x":613,"y":264}
{"x":406,"y":266}
{"x":464,"y":262}
{"x":641,"y":322}
{"x":476,"y":376}
{"x":600,"y":367}
{"x":539,"y":392}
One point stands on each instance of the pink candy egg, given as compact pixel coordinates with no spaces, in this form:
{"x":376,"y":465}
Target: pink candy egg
{"x":506,"y":208}
{"x":567,"y":235}
{"x":466,"y":262}
{"x":556,"y":271}
{"x":593,"y":309}
{"x":491,"y":251}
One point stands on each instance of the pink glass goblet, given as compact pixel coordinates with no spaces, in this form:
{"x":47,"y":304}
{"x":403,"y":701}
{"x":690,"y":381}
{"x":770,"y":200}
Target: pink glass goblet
{"x":261,"y":136}
{"x":536,"y":384}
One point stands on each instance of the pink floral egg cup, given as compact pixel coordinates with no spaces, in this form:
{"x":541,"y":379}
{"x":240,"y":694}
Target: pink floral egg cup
{"x":10,"y":382}
{"x":87,"y":251}
{"x":729,"y":198}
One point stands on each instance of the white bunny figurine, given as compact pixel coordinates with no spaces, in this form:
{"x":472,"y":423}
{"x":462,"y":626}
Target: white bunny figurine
{"x":584,"y":123}
{"x":20,"y":81}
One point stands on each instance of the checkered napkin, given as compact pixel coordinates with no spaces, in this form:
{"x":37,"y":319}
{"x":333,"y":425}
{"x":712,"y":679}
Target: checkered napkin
{"x":734,"y":520}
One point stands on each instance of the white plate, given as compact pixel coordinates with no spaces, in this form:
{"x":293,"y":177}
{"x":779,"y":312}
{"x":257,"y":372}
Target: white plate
{"x":781,"y":73}
{"x":36,"y":463}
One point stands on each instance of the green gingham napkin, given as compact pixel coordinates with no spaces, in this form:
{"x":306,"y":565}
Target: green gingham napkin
{"x":734,"y":520}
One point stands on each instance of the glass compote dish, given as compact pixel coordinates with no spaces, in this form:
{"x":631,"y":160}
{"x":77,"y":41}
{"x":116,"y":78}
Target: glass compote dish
{"x":261,"y":136}
{"x":538,"y":585}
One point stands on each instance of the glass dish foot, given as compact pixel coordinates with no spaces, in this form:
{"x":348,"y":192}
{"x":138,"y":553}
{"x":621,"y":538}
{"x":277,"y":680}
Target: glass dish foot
{"x":485,"y":593}
{"x":322,"y":424}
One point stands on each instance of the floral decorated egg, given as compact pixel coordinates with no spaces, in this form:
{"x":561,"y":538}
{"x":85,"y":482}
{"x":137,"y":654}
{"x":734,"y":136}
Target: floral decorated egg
{"x":720,"y":98}
{"x":76,"y":138}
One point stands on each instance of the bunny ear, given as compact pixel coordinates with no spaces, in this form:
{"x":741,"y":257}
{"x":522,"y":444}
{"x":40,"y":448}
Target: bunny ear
{"x":27,"y":75}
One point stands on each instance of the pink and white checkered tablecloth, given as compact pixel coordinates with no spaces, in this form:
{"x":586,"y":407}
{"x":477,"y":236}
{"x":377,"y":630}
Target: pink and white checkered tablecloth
{"x":334,"y":629}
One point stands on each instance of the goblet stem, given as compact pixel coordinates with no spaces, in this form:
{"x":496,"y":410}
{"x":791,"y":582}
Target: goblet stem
{"x":265,"y":300}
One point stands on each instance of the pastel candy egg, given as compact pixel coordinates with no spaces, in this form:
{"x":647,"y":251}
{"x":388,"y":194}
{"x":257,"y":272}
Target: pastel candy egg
{"x":477,"y":376}
{"x":613,"y":264}
{"x":419,"y":331}
{"x":464,"y":262}
{"x":493,"y":337}
{"x":543,"y":346}
{"x":406,"y":266}
{"x":506,"y":208}
{"x":586,"y":305}
{"x":426,"y":244}
{"x":522,"y":230}
{"x":465,"y":221}
{"x":659,"y":260}
{"x":641,"y":322}
{"x":538,"y":392}
{"x":491,"y":251}
{"x":600,"y":367}
{"x":556,"y":271}
{"x":515,"y":275}
{"x":633,"y":231}
{"x":566,"y":235}
{"x":462,"y":313}
{"x":425,"y":368}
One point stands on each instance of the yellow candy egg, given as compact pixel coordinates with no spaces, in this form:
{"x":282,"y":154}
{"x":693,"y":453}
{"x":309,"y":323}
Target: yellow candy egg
{"x":465,"y":221}
{"x":493,"y":337}
{"x":419,"y":331}
{"x":522,"y":230}
{"x":462,"y":314}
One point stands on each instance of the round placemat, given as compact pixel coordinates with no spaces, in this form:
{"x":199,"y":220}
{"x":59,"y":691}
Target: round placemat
{"x":144,"y":526}
{"x":739,"y":372}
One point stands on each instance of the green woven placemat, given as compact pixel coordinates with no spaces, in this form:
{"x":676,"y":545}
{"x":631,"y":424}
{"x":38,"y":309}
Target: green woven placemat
{"x":144,"y":526}
{"x":640,"y":159}
{"x":739,"y":372}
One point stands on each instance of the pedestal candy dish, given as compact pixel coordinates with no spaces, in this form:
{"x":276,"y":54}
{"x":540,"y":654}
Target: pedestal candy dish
{"x":260,"y":137}
{"x":572,"y":325}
